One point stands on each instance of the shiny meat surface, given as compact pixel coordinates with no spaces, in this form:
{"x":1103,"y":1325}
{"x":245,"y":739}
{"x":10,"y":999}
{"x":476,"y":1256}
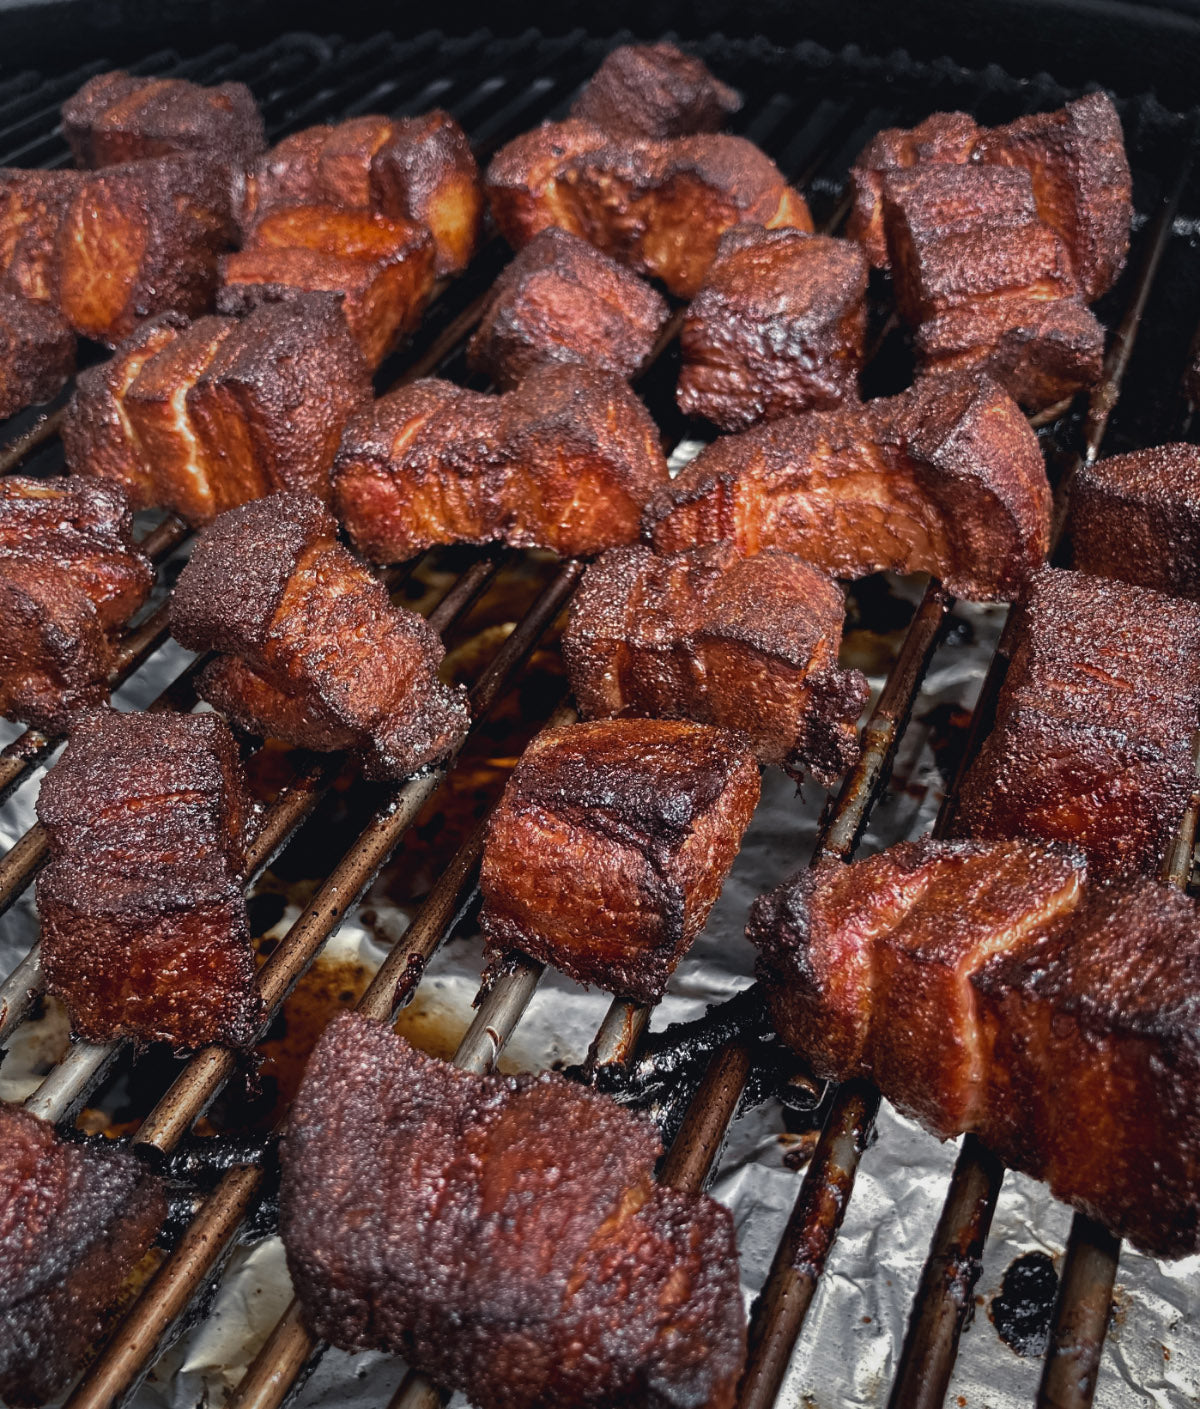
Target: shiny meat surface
{"x":37,"y":353}
{"x":503,"y":1234}
{"x":655,"y":90}
{"x":198,"y":417}
{"x":561,"y":300}
{"x":69,"y":575}
{"x":946,"y":478}
{"x":567,"y":461}
{"x":611,"y":844}
{"x":314,"y":651}
{"x":118,"y":117}
{"x":74,"y":1222}
{"x":660,"y":207}
{"x":381,"y":269}
{"x":1137,"y":517}
{"x":778,"y":327}
{"x":744,"y":643}
{"x":144,"y":930}
{"x":984,"y":987}
{"x":1092,"y":743}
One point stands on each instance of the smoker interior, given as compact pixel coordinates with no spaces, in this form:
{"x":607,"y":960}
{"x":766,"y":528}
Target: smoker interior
{"x":811,"y":110}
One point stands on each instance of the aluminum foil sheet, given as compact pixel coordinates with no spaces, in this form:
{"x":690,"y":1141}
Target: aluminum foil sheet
{"x":848,"y":1349}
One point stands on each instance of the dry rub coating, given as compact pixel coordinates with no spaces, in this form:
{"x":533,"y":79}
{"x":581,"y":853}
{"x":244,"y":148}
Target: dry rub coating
{"x":74,"y":1222}
{"x":660,"y":207}
{"x":1074,"y":155}
{"x":315,"y":652}
{"x":945,"y":478}
{"x":503,"y":1234}
{"x":611,"y":844}
{"x":561,"y":300}
{"x":778,"y":327}
{"x":37,"y":353}
{"x":567,"y":461}
{"x":69,"y":575}
{"x":655,"y":90}
{"x":1137,"y":518}
{"x":117,"y":117}
{"x":984,"y":987}
{"x":743,"y":643}
{"x":1092,"y":744}
{"x":417,"y":169}
{"x":33,"y":206}
{"x":198,"y":417}
{"x":144,"y":930}
{"x":381,"y":269}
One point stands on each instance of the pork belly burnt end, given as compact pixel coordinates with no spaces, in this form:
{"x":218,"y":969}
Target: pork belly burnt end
{"x":659,"y":207}
{"x":744,"y":643}
{"x":1137,"y":518}
{"x":655,"y":90}
{"x":1092,"y":740}
{"x":33,"y":205}
{"x":556,"y":1272}
{"x":69,"y":574}
{"x":317,"y":655}
{"x":74,"y":1222}
{"x":561,"y":300}
{"x":200,"y":417}
{"x":778,"y":326}
{"x":381,"y":269}
{"x":37,"y":353}
{"x":1074,"y":155}
{"x":945,"y":478}
{"x":567,"y":461}
{"x":118,"y":117}
{"x":611,"y":844}
{"x":986,"y":285}
{"x":144,"y":930}
{"x":983,"y":987}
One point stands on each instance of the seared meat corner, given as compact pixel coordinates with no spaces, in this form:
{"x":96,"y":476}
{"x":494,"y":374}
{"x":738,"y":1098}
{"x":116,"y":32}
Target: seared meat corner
{"x":655,"y":90}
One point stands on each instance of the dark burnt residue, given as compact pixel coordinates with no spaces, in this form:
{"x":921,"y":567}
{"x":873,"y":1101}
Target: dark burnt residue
{"x":1021,"y":1311}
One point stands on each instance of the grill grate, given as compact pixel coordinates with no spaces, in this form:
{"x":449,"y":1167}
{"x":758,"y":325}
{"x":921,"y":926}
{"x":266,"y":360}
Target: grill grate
{"x":812,"y":113}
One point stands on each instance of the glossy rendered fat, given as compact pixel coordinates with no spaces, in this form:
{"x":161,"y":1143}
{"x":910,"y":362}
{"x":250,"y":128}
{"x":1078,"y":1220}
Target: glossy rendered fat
{"x":610,"y":845}
{"x":503,"y":1234}
{"x":144,"y":929}
{"x":655,"y":90}
{"x":744,"y":643}
{"x":311,"y":649}
{"x":74,"y":1222}
{"x":945,"y":478}
{"x":985,"y":987}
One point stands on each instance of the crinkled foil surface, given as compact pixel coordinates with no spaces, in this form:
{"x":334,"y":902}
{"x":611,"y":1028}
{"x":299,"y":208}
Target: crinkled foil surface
{"x":848,"y":1350}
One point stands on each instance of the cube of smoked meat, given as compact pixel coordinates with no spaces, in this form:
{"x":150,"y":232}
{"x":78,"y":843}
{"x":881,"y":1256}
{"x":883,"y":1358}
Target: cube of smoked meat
{"x":70,"y":573}
{"x":1137,"y":518}
{"x":419,"y":169}
{"x":567,"y":461}
{"x":556,"y":1273}
{"x":144,"y":930}
{"x":382,"y":269}
{"x":75,"y":1220}
{"x":778,"y":326}
{"x":561,"y":300}
{"x":33,"y":206}
{"x":37,"y":353}
{"x":317,"y":654}
{"x":198,"y":417}
{"x":118,"y":117}
{"x":611,"y":844}
{"x":985,"y":284}
{"x":945,"y":478}
{"x":992,"y":987}
{"x":655,"y":90}
{"x":745,"y":643}
{"x":1092,"y":744}
{"x":1074,"y":155}
{"x":660,"y":207}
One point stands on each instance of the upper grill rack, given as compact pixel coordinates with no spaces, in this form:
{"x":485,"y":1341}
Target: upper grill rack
{"x":813,"y":130}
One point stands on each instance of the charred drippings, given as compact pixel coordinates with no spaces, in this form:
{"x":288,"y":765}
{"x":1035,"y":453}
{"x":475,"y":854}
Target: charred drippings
{"x":1022,"y":1309}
